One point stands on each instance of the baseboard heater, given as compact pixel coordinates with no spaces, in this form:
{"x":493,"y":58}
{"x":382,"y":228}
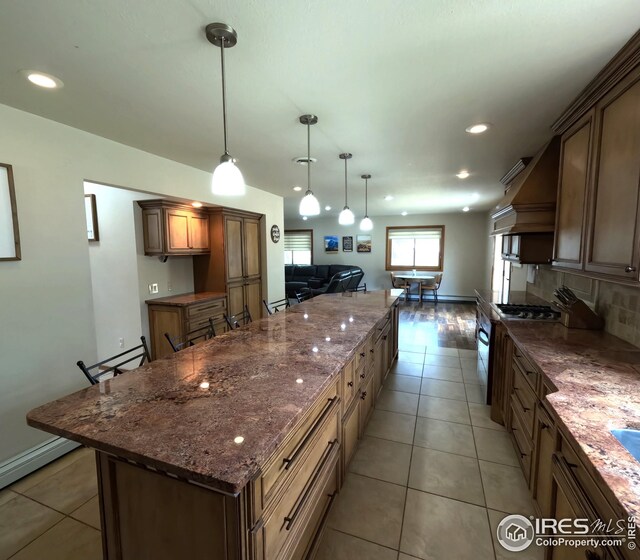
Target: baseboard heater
{"x":442,"y":299}
{"x":32,"y":459}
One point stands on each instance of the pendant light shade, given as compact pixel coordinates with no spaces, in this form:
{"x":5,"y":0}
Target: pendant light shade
{"x":309,"y":205}
{"x":366,"y":224}
{"x":346,"y":217}
{"x":227,"y":179}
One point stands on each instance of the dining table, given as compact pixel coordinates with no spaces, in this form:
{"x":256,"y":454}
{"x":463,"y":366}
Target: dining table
{"x":412,"y":278}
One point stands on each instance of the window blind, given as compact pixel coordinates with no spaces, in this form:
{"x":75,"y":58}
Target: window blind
{"x":433,"y":233}
{"x":297,"y":240}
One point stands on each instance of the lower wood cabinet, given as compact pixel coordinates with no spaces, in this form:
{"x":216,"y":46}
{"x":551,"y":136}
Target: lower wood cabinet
{"x":350,"y":434}
{"x":544,"y":441}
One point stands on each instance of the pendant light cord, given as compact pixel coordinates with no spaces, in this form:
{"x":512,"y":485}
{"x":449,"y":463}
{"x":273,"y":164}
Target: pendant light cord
{"x":346,"y":204}
{"x":308,"y":157}
{"x":224,"y":98}
{"x":366,"y":198}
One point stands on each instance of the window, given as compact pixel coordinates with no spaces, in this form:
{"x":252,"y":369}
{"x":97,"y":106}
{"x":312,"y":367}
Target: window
{"x":298,"y":246}
{"x":415,"y":247}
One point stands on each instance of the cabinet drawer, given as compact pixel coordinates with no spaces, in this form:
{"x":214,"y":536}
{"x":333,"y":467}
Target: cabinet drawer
{"x":300,"y":444}
{"x":361,"y":355}
{"x":528,"y":369}
{"x":525,"y":399}
{"x":289,"y":519}
{"x":523,"y":444}
{"x":370,"y":352}
{"x":350,"y":431}
{"x":366,"y":402}
{"x":207,"y":309}
{"x":349,"y":385}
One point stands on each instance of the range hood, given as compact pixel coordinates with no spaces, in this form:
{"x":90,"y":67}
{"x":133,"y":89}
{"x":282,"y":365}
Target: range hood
{"x":529,"y":203}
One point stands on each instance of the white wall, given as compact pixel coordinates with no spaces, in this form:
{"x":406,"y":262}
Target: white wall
{"x":46,"y":308}
{"x":121,"y":273}
{"x":465,"y":248}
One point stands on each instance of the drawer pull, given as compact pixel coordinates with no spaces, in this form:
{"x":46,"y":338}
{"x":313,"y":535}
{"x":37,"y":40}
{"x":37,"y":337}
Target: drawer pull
{"x":522,"y":455}
{"x":384,"y":337}
{"x":288,"y":461}
{"x":290,"y":519}
{"x":630,"y":269}
{"x":526,"y":409}
{"x":362,"y":354}
{"x":350,"y":383}
{"x":364,"y":395}
{"x":362,"y":375}
{"x":372,"y":350}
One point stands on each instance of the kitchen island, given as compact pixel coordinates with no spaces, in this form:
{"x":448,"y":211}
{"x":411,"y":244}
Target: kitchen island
{"x":235,"y":448}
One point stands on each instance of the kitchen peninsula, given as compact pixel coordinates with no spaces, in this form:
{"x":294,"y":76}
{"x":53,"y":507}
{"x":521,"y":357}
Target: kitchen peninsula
{"x":235,"y":448}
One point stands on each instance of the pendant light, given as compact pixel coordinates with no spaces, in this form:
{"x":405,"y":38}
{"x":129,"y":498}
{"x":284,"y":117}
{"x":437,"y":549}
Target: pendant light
{"x":346,"y":217}
{"x":227,"y":179}
{"x":309,"y":205}
{"x":366,"y":224}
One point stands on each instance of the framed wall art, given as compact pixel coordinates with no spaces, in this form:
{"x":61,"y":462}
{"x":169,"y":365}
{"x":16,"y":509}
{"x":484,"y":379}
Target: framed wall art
{"x":92,"y":217}
{"x":347,"y":243}
{"x":364,"y":243}
{"x":9,"y":234}
{"x":331,"y":243}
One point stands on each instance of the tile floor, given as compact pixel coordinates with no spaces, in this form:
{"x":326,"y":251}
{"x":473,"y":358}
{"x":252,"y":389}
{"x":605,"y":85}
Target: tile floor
{"x":431,"y":479}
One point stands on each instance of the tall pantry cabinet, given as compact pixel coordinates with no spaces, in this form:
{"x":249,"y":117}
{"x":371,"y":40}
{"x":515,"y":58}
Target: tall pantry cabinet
{"x":234,"y":262}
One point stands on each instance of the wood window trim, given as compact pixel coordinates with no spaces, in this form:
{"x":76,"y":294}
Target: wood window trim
{"x":387,"y":259}
{"x":310,"y":231}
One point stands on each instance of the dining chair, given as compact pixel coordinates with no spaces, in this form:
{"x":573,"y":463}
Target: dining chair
{"x":276,"y":305}
{"x":202,"y":333}
{"x":239,"y":319}
{"x":304,"y":295}
{"x":105,"y":369}
{"x":401,"y":283}
{"x":432,"y":284}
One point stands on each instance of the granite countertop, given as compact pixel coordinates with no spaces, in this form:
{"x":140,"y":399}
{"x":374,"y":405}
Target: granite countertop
{"x":182,"y":300}
{"x":597,"y":377}
{"x":181,"y":414}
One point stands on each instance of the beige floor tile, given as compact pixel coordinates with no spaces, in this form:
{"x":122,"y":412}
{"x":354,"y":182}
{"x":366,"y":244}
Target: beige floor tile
{"x":6,"y":495}
{"x":495,"y":446}
{"x":68,"y":540}
{"x":447,"y":475}
{"x":89,"y":513}
{"x":443,"y":409}
{"x":403,"y":556}
{"x":437,"y":528}
{"x":532,"y":553}
{"x":445,"y":436}
{"x":382,"y":459}
{"x":444,"y":373}
{"x":369,"y":509}
{"x":468,"y":364}
{"x":443,"y":389}
{"x":406,"y":383}
{"x":476,"y":393}
{"x":481,"y":417}
{"x":467,"y":353}
{"x":52,"y":468}
{"x":21,"y":521}
{"x":340,"y":546}
{"x":391,"y":425}
{"x":442,"y":351}
{"x":396,"y":401}
{"x":404,"y":343}
{"x":471,"y":377}
{"x":505,"y":488}
{"x":410,"y":357}
{"x":407,"y":368}
{"x":69,"y":488}
{"x":443,"y":361}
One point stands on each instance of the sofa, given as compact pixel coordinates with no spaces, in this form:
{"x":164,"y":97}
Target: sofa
{"x":321,"y":278}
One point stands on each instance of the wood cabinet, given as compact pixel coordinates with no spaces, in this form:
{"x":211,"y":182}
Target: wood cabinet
{"x":502,"y":378}
{"x":170,"y":228}
{"x":544,"y":441}
{"x":571,"y":209}
{"x":613,"y":233}
{"x":528,"y":248}
{"x":234,"y":264}
{"x":180,"y":314}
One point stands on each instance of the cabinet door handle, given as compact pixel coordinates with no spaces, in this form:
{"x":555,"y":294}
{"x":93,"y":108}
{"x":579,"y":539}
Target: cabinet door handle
{"x":362,"y":354}
{"x":522,"y":455}
{"x":372,"y":350}
{"x":630,"y":268}
{"x":364,"y":395}
{"x":362,"y":376}
{"x":384,"y":337}
{"x":350,"y":383}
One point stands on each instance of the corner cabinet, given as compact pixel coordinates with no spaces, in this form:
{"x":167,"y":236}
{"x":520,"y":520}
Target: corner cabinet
{"x":173,"y":229}
{"x":234,"y":264}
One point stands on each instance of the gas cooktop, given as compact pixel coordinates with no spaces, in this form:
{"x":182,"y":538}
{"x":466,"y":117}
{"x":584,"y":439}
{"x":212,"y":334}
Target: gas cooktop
{"x":532,"y":312}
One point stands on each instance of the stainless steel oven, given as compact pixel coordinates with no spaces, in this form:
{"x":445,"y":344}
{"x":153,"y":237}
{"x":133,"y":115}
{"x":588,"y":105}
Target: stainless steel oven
{"x":485,"y":346}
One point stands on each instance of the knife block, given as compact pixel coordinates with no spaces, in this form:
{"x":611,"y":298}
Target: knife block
{"x":580,"y":316}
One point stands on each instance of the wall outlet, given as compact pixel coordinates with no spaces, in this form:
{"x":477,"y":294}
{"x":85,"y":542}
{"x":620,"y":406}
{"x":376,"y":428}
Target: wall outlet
{"x":121,"y":342}
{"x":153,"y":288}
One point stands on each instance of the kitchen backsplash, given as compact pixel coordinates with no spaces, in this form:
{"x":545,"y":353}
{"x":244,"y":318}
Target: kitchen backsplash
{"x":618,"y":304}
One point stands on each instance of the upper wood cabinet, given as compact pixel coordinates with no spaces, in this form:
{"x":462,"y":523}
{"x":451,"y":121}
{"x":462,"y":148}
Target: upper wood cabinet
{"x":173,"y":229}
{"x":528,"y":248}
{"x":613,"y":235}
{"x":575,"y":157}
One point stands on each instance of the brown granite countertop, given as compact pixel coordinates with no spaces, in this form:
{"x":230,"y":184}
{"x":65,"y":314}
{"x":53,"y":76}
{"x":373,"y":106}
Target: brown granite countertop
{"x":182,"y":300}
{"x":163,"y":416}
{"x":598,"y":380}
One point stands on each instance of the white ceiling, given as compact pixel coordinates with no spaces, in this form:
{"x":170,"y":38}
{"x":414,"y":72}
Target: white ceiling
{"x":395,"y":82}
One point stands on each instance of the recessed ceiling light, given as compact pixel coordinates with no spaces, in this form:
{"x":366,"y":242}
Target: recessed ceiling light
{"x":196,"y":204}
{"x":404,"y":213}
{"x":465,"y":209}
{"x":463,"y":174}
{"x":305,"y":218}
{"x":388,"y":197}
{"x":297,"y":189}
{"x":327,"y":208}
{"x":43,"y":80}
{"x":477,"y":128}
